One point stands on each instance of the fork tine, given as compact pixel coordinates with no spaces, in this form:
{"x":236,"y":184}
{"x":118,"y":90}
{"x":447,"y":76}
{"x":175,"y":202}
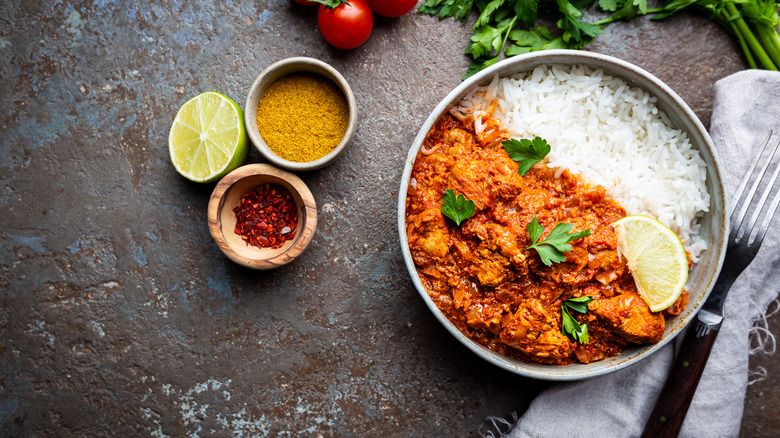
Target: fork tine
{"x":769,"y":215}
{"x":760,"y":205}
{"x":743,"y":183}
{"x":737,"y":222}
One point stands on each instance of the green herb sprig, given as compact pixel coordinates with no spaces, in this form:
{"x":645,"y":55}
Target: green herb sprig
{"x":551,"y":249}
{"x":570,"y":326}
{"x":509,"y":27}
{"x":501,"y":26}
{"x":526,"y":152}
{"x":457,"y":208}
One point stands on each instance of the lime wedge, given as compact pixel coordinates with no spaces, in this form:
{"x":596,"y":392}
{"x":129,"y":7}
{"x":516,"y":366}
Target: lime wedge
{"x":208,"y":138}
{"x":656,"y":258}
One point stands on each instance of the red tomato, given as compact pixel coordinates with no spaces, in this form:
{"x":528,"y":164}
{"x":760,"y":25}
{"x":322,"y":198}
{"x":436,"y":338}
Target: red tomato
{"x":391,"y":8}
{"x":346,"y":27}
{"x":306,"y":2}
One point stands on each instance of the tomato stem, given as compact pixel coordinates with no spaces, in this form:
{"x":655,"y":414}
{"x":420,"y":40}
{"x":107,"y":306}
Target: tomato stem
{"x":332,"y":4}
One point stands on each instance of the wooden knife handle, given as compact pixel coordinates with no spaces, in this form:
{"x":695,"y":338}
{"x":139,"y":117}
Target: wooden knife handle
{"x":675,"y":399}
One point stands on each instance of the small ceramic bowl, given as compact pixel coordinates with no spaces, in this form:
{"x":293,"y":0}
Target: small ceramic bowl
{"x":222,"y":220}
{"x":272,"y":74}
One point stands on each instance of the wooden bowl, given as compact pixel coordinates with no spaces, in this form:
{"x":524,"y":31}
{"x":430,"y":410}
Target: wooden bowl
{"x":283,"y":68}
{"x":222,"y":220}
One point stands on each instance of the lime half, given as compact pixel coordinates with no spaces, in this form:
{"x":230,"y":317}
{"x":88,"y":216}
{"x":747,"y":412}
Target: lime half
{"x":208,"y":138}
{"x":656,"y":258}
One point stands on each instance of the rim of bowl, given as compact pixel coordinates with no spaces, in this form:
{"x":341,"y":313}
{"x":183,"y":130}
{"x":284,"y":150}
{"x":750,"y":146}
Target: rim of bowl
{"x":699,"y":137}
{"x":283,"y":68}
{"x":264,"y":258}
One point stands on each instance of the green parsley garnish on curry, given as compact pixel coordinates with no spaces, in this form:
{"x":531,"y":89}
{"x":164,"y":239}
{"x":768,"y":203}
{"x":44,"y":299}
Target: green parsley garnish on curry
{"x":570,"y":326}
{"x":553,"y":246}
{"x":457,"y":208}
{"x":526,"y":152}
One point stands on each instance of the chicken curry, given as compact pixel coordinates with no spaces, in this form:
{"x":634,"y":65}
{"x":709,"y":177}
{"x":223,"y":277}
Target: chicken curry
{"x":483,"y":278}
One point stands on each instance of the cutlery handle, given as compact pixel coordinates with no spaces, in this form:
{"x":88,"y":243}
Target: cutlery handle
{"x":675,"y":399}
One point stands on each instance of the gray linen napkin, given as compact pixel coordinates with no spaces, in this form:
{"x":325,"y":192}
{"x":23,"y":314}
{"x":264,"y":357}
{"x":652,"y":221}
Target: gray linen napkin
{"x":747,"y":105}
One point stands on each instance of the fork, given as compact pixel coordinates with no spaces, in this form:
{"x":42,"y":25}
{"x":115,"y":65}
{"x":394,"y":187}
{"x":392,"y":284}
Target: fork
{"x":743,"y":243}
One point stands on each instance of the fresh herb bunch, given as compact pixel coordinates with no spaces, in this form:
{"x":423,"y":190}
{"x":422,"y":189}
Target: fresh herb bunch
{"x":570,"y":326}
{"x":509,"y":26}
{"x":512,"y":27}
{"x":551,"y":249}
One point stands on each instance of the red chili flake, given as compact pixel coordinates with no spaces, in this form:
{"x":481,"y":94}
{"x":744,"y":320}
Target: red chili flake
{"x":266,"y":216}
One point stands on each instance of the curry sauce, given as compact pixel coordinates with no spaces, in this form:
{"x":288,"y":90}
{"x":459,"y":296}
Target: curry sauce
{"x":482,"y":277}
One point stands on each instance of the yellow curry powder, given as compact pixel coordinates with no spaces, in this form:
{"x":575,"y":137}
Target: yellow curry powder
{"x":302,"y":117}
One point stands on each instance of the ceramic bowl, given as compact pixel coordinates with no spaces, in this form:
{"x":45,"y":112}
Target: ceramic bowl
{"x":222,"y":219}
{"x":713,"y":225}
{"x":272,"y":74}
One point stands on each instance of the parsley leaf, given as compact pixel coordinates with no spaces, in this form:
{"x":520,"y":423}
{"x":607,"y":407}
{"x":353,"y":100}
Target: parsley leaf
{"x":631,"y":9}
{"x":576,"y":33}
{"x":570,"y":326}
{"x":609,"y":5}
{"x":486,"y":15}
{"x":484,"y":41}
{"x":538,"y":38}
{"x":526,"y":152}
{"x":572,"y":26}
{"x":551,"y":249}
{"x":488,"y":40}
{"x":560,"y":237}
{"x":457,"y":208}
{"x":457,"y":9}
{"x":535,"y":229}
{"x":527,"y":11}
{"x":568,"y":10}
{"x":549,"y":254}
{"x":580,"y":304}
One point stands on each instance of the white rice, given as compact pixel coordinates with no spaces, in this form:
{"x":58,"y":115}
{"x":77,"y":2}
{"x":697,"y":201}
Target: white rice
{"x":610,"y":133}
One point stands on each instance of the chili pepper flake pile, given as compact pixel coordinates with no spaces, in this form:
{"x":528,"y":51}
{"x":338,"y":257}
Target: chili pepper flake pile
{"x":266,"y":216}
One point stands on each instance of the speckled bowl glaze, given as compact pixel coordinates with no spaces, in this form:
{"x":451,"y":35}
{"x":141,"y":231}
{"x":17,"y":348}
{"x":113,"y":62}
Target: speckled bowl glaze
{"x":283,"y":68}
{"x":714,"y":223}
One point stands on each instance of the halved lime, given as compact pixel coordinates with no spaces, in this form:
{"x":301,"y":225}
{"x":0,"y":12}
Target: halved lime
{"x":656,"y":258}
{"x":208,"y":138}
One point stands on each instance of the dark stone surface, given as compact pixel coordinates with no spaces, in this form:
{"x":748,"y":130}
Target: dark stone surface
{"x":120,"y":316}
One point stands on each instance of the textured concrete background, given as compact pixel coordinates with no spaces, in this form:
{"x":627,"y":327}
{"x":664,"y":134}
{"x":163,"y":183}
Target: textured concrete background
{"x":120,"y":316}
